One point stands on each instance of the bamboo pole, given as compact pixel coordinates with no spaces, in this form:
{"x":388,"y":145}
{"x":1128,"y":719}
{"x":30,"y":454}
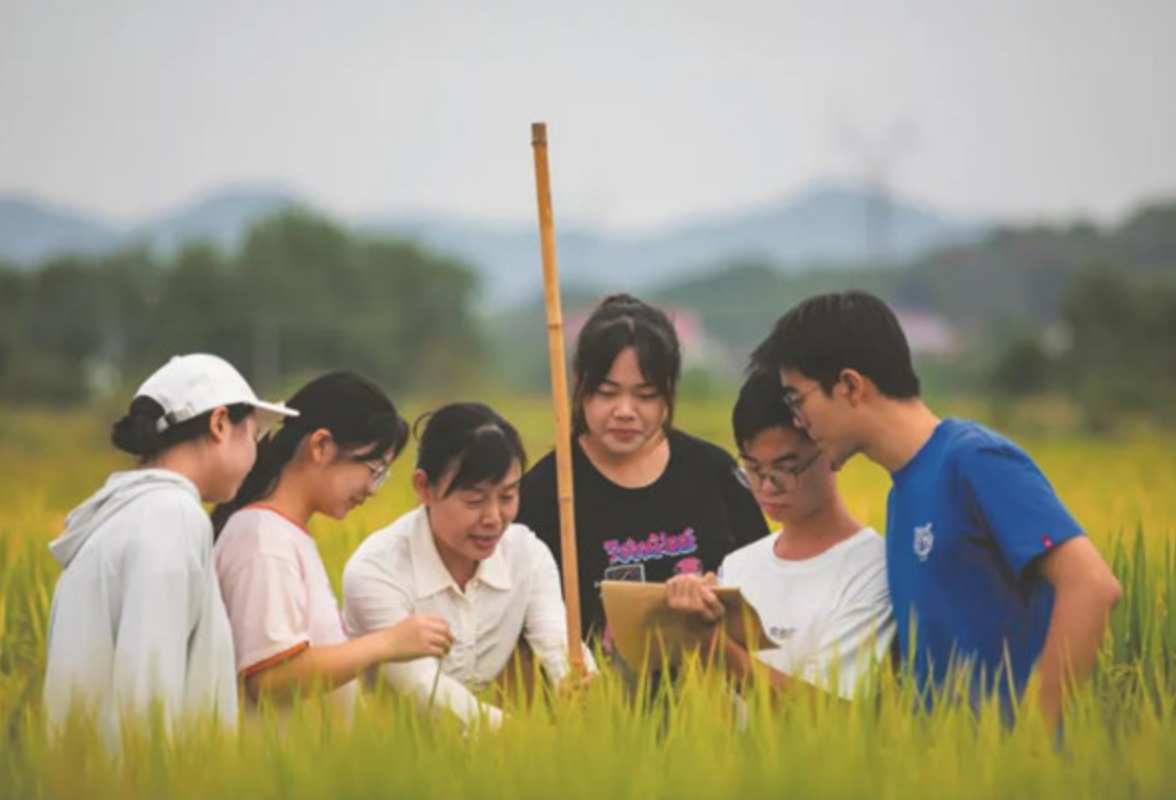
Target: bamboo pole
{"x":559,"y":394}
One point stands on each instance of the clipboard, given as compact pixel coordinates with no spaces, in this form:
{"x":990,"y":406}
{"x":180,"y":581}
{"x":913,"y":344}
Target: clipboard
{"x":645,"y":630}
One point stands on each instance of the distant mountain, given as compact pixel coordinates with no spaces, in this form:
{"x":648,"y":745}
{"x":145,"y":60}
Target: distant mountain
{"x":824,"y":226}
{"x":32,"y":231}
{"x":223,"y":218}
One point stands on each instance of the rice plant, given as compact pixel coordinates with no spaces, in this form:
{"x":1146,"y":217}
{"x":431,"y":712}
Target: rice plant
{"x":1119,"y":739}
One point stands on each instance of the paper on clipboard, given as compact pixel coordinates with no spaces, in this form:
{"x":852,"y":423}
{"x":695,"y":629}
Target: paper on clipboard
{"x":645,"y":630}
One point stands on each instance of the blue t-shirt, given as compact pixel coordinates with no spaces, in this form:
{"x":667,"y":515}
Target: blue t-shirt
{"x":965,"y":518}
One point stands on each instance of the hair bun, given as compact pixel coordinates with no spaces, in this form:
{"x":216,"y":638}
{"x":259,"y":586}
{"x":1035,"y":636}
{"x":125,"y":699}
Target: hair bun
{"x":136,"y":432}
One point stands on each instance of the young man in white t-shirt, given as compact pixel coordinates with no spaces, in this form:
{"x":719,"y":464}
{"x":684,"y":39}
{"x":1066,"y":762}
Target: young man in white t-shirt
{"x":818,"y":584}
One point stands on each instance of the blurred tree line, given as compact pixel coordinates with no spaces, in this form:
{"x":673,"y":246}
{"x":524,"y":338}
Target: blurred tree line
{"x":300,"y":296}
{"x":1020,"y":277}
{"x":1075,"y":312}
{"x":1015,"y":279}
{"x":1117,"y":356}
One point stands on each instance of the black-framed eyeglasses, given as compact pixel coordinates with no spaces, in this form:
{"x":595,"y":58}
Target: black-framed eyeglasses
{"x":795,"y":400}
{"x":783,"y":478}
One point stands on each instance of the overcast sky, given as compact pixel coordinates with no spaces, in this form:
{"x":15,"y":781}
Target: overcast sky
{"x":656,"y":110}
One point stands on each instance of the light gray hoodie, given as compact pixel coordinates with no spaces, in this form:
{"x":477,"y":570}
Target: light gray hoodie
{"x":137,"y":614}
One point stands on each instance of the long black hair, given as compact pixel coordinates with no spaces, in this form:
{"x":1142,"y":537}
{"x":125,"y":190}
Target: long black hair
{"x":472,"y":441}
{"x":356,"y":412}
{"x":621,"y":321}
{"x":137,"y":431}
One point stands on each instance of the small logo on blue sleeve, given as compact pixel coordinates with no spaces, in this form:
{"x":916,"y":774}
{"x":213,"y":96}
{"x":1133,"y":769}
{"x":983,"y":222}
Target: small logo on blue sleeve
{"x":924,"y":541}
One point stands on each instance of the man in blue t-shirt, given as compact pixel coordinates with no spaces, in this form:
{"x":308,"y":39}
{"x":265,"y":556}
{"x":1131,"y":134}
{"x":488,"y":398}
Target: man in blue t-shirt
{"x":987,"y":569}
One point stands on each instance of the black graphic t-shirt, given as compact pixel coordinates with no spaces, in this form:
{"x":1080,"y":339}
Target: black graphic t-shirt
{"x":685,"y":522}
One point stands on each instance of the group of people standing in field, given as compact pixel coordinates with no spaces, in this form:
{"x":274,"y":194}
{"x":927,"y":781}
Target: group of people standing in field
{"x":160,"y":606}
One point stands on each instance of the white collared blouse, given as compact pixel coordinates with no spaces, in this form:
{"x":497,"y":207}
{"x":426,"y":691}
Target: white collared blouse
{"x":397,"y":572}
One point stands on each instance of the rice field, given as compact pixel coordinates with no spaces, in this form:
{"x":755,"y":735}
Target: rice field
{"x":1119,"y":739}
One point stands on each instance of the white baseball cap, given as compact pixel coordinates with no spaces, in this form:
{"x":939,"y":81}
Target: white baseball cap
{"x":191,"y":385}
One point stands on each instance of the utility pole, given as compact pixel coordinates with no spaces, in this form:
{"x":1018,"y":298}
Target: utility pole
{"x":266,"y":352}
{"x":875,"y":158}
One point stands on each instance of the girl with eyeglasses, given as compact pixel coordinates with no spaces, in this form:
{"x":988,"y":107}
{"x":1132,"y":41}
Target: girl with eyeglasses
{"x":651,"y":501}
{"x":287,"y":630}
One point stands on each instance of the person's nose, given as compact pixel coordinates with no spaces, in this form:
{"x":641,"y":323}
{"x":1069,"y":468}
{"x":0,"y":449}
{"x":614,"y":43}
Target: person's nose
{"x":492,"y":514}
{"x":768,"y":489}
{"x":624,"y":407}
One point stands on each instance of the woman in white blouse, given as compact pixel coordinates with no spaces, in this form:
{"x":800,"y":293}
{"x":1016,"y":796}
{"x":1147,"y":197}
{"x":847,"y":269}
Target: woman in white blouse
{"x":459,"y":555}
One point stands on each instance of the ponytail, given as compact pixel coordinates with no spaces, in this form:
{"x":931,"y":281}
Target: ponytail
{"x":138,"y":433}
{"x":274,"y":452}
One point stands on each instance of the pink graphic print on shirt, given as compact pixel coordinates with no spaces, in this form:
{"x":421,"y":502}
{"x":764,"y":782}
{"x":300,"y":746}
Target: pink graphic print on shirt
{"x":656,"y":546}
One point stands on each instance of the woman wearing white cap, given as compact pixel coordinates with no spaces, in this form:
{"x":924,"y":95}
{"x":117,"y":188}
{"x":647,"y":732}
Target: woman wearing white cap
{"x":137,"y":621}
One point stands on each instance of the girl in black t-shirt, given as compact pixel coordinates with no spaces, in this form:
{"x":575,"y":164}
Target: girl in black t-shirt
{"x":651,"y":502}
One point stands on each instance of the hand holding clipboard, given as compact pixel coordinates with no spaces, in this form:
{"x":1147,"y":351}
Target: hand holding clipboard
{"x":646,"y":631}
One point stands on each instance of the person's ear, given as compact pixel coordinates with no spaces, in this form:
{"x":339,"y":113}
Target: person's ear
{"x":320,"y":446}
{"x":219,"y":425}
{"x":420,"y":484}
{"x":852,"y":385}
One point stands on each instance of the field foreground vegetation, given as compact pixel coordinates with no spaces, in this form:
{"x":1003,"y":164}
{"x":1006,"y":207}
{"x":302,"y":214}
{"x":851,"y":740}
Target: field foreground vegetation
{"x":1119,"y":739}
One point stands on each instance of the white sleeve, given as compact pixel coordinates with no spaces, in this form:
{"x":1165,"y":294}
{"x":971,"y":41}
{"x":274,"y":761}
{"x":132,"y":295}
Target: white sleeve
{"x":265,"y":597}
{"x":435,"y":691}
{"x":373,"y":601}
{"x":856,"y":634}
{"x":723,"y":574}
{"x":545,"y":625}
{"x":163,"y":579}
